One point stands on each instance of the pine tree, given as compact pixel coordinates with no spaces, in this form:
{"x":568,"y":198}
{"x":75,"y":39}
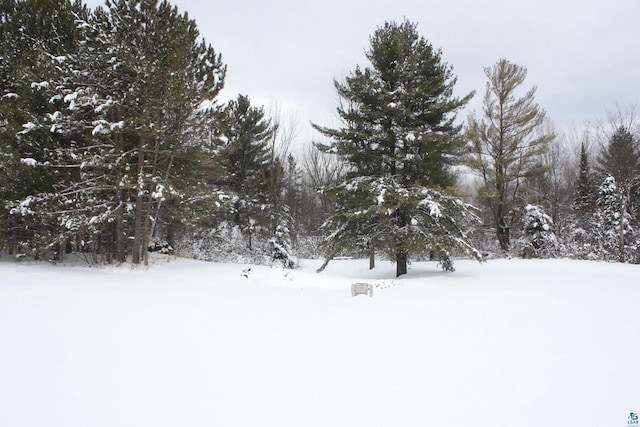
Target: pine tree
{"x":584,"y":194}
{"x":621,"y":159}
{"x":583,"y":204}
{"x":611,"y":225}
{"x":168,"y":77}
{"x":245,"y":134}
{"x":503,"y":146}
{"x":397,"y":127}
{"x":37,"y":38}
{"x":124,"y":105}
{"x":281,"y":247}
{"x":374,"y":209}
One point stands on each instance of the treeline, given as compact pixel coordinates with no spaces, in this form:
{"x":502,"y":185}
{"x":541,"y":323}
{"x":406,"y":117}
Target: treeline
{"x":112,"y":139}
{"x":547,"y":193}
{"x":580,"y":199}
{"x":113,"y":142}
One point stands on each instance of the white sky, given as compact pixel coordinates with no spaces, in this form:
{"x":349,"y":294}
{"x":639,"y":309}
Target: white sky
{"x":583,"y":55}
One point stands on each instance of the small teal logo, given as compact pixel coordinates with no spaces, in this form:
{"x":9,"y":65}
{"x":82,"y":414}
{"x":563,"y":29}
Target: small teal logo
{"x":633,"y":419}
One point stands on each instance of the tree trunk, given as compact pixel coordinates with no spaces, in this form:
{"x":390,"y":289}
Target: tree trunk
{"x":502,"y":232}
{"x":372,"y":255}
{"x":326,"y":262}
{"x":138,"y":232}
{"x":622,"y":216}
{"x":146,"y":236}
{"x":401,"y":254}
{"x":170,"y":235}
{"x":109,"y":245}
{"x":119,"y":229}
{"x":61,"y":249}
{"x":401,"y":263}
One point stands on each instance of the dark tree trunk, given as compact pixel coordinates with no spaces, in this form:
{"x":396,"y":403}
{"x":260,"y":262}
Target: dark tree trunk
{"x":138,"y":232}
{"x":401,"y":263}
{"x":621,"y":257}
{"x":372,"y":255}
{"x":326,"y":262}
{"x":59,"y":250}
{"x":502,"y":232}
{"x":401,"y":254}
{"x":109,"y":252}
{"x":170,"y":235}
{"x":119,"y":229}
{"x":146,"y":236}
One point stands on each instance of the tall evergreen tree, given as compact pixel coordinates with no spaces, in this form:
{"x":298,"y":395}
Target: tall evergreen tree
{"x":585,"y":192}
{"x":503,"y":146}
{"x":398,"y":131}
{"x":126,"y":102}
{"x":621,"y":159}
{"x":37,"y":37}
{"x":611,"y":222}
{"x":245,"y":134}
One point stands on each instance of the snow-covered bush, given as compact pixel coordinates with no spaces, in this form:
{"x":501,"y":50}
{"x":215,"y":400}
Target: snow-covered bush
{"x":577,"y":243}
{"x":281,"y":247}
{"x":225,"y":243}
{"x":228,"y":243}
{"x":539,"y":238}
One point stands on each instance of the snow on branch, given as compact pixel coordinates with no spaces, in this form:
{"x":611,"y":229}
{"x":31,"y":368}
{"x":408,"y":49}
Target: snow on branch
{"x":28,"y":161}
{"x":28,"y":127}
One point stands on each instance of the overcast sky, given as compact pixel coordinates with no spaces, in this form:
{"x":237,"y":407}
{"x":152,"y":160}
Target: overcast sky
{"x":583,"y":55}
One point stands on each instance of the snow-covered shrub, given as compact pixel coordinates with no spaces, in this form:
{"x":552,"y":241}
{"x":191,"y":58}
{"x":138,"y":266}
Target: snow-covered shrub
{"x":228,"y":243}
{"x":162,"y":247}
{"x":578,"y":243}
{"x":225,"y":243}
{"x":281,"y":247}
{"x":539,"y":238}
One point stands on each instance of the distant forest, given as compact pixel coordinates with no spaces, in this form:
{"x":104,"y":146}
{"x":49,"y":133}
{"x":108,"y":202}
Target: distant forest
{"x":114,"y":144}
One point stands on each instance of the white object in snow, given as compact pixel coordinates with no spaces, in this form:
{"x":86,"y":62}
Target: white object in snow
{"x":361,"y":289}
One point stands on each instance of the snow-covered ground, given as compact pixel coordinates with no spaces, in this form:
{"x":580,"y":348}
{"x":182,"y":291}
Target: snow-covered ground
{"x":510,"y":342}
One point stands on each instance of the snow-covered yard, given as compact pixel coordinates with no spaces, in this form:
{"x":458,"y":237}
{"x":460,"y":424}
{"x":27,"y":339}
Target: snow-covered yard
{"x":510,"y":342}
